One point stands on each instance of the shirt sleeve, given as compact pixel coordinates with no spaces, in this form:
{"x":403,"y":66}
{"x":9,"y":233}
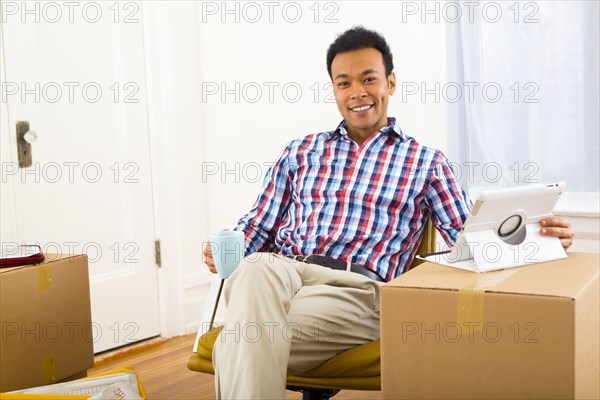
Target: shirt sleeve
{"x":448,"y":202}
{"x":261,"y":223}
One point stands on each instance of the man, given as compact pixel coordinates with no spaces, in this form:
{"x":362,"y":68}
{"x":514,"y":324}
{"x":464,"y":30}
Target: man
{"x":360,"y":196}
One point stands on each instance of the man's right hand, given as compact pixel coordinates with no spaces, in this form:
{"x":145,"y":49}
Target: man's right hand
{"x":208,"y":258}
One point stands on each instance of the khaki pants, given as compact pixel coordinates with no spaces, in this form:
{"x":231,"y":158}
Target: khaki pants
{"x":286,"y":317}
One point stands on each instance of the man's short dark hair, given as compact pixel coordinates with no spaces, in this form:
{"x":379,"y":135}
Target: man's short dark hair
{"x":357,"y":38}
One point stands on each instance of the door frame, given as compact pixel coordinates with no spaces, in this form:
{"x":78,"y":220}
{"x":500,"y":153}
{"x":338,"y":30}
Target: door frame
{"x":8,"y":148}
{"x":170,"y":32}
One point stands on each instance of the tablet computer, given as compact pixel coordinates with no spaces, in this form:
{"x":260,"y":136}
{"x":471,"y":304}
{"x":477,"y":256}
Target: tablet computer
{"x":504,"y":214}
{"x":507,"y":210}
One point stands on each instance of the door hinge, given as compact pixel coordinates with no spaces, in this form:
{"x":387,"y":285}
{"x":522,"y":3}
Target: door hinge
{"x":157,"y":252}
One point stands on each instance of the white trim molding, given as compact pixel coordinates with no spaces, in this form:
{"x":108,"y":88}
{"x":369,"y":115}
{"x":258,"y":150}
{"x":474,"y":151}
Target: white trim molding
{"x":172,"y":49}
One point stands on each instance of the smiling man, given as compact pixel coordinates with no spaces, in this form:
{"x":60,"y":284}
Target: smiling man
{"x":362,"y":83}
{"x":346,"y":209}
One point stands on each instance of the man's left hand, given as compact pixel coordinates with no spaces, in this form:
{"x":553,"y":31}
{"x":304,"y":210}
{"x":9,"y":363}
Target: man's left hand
{"x":559,"y":227}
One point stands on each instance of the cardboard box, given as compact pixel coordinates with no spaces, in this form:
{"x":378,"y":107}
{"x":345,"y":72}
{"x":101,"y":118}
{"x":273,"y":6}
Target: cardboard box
{"x":522,"y":333}
{"x":46,"y":333}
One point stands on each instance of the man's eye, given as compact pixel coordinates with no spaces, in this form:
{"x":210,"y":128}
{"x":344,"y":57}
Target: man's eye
{"x":342,"y":84}
{"x":370,"y":79}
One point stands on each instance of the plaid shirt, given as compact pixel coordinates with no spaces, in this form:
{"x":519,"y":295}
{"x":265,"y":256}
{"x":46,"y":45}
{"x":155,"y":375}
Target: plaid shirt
{"x":366,"y":204}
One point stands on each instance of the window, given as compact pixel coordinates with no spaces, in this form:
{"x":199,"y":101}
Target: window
{"x":529,"y":107}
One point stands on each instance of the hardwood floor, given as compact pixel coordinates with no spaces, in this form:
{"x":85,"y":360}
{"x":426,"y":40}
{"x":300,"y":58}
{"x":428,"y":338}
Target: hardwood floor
{"x":161,"y":365}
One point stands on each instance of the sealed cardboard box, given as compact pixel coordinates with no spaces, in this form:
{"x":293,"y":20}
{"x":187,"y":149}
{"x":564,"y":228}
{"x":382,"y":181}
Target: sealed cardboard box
{"x":522,"y":333}
{"x":46,"y":331}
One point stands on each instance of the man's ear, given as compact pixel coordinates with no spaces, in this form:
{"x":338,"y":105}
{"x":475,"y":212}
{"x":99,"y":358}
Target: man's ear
{"x":391,"y":83}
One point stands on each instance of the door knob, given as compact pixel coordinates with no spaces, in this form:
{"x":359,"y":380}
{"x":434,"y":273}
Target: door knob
{"x":24,"y":139}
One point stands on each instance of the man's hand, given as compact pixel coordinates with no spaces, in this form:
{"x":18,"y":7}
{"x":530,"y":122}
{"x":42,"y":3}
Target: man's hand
{"x":559,"y":227}
{"x":208,"y":258}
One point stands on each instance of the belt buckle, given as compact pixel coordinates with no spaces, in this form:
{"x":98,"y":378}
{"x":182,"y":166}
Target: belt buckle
{"x":300,"y":258}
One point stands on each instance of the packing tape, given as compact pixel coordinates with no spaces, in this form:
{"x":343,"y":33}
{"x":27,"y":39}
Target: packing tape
{"x":469,"y":313}
{"x":48,"y":369}
{"x":44,"y":279}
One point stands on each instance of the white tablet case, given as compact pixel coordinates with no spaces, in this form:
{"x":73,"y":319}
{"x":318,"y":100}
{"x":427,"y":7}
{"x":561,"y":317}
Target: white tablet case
{"x":502,"y":230}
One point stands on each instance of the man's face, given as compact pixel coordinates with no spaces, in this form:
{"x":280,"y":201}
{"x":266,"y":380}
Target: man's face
{"x":362,"y":90}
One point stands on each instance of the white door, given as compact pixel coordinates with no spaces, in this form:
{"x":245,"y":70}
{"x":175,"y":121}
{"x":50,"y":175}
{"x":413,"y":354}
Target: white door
{"x":75,"y":71}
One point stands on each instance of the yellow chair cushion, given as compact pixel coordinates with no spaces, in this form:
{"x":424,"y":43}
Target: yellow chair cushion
{"x":356,"y":368}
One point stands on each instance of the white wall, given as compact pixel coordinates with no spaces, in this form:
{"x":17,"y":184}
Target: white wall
{"x":232,"y":140}
{"x":254,"y":54}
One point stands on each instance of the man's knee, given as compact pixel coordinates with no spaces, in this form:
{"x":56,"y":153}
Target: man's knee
{"x":262,"y":272}
{"x":254,"y":266}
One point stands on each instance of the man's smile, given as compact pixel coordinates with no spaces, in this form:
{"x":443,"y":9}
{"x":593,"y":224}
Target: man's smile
{"x":362,"y":108}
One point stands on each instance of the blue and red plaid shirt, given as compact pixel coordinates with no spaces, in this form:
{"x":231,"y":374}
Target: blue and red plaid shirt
{"x":366,"y":204}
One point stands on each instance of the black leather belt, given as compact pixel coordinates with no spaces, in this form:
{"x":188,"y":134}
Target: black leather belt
{"x":338,"y":264}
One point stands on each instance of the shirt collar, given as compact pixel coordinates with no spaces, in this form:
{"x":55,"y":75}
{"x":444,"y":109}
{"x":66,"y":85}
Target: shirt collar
{"x":392,"y":129}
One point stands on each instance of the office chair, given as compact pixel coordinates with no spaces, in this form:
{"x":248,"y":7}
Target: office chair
{"x":354,"y":369}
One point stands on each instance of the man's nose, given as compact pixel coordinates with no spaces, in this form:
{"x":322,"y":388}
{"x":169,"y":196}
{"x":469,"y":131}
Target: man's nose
{"x":358,"y":91}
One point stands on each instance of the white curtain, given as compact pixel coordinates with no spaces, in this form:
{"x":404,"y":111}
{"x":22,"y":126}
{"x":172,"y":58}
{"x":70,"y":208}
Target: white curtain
{"x":529,"y":110}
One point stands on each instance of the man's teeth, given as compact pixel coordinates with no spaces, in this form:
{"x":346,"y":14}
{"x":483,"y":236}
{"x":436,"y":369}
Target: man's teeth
{"x":363,"y":108}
